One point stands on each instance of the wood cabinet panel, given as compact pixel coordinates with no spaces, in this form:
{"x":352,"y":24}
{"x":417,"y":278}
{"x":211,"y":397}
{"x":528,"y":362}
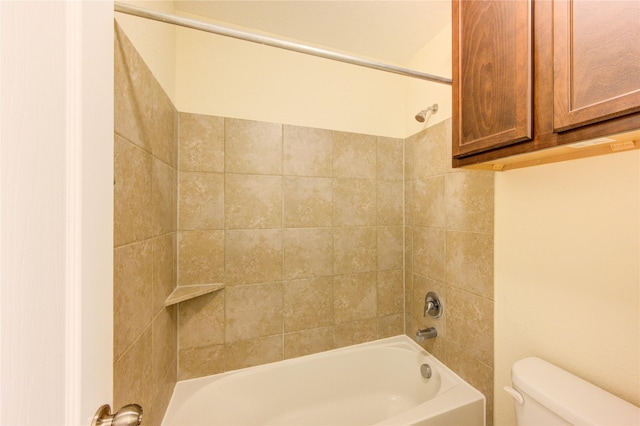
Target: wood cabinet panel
{"x":491,"y":74}
{"x":611,"y":96}
{"x":596,"y":49}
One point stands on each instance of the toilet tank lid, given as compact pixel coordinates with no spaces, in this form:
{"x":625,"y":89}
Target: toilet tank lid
{"x":570,"y":397}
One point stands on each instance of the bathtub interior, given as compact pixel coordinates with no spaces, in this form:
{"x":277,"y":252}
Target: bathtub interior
{"x":359,"y":385}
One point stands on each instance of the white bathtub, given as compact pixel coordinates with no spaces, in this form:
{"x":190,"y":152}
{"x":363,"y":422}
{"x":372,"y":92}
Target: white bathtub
{"x":375,"y":383}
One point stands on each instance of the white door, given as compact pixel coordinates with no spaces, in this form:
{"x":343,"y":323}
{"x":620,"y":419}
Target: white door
{"x":56,"y":210}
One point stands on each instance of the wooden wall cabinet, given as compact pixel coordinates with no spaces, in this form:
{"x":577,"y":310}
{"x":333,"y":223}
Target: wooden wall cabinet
{"x":530,"y":75}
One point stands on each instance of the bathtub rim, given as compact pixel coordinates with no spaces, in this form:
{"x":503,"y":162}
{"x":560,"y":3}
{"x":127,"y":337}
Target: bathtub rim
{"x":457,"y":394}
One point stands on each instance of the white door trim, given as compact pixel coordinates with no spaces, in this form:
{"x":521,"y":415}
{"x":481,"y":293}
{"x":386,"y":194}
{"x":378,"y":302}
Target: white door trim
{"x":73,"y":249}
{"x":56,"y":210}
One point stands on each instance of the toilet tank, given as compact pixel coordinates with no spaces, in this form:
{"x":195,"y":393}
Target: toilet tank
{"x":553,"y":396}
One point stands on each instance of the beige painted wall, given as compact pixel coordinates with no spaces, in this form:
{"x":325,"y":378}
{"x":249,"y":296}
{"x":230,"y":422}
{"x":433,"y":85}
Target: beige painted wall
{"x":434,"y":58}
{"x":567,"y":272}
{"x":214,"y":75}
{"x":233,"y":78}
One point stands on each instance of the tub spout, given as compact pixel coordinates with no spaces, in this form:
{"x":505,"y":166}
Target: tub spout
{"x":427,"y":333}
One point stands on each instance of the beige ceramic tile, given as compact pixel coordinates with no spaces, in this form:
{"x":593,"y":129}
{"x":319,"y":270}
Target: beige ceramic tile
{"x":428,"y":252}
{"x":389,"y":159}
{"x":131,"y":193}
{"x":411,"y":327}
{"x":390,"y":241}
{"x":164,"y":269}
{"x":201,"y":200}
{"x":163,"y":193}
{"x":307,"y":201}
{"x":408,"y":203}
{"x":354,"y":250}
{"x":129,"y":68}
{"x":308,"y":304}
{"x":308,"y":253}
{"x":163,"y":393}
{"x":200,"y":257}
{"x":354,"y":202}
{"x":479,"y":375}
{"x":252,"y":201}
{"x":164,"y":344}
{"x":422,"y":286}
{"x":389,"y":203}
{"x":470,"y":324}
{"x":352,"y":333}
{"x":253,"y":147}
{"x":252,"y":352}
{"x":469,"y":201}
{"x":308,"y":342}
{"x":253,"y":256}
{"x":429,"y":152}
{"x":201,"y":321}
{"x":307,"y":151}
{"x":354,"y":155}
{"x":390,"y":292}
{"x":469,"y":262}
{"x":391,"y":325}
{"x":354,"y":297}
{"x":201,"y":143}
{"x":408,"y":248}
{"x":428,"y":202}
{"x":132,"y":295}
{"x":253,"y":311}
{"x":144,"y":206}
{"x":409,"y":157}
{"x":133,"y":374}
{"x":199,"y":362}
{"x":408,"y":286}
{"x":162,"y":126}
{"x":143,"y":112}
{"x":435,"y":346}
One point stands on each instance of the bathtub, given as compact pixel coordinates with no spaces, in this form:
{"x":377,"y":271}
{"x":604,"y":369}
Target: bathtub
{"x":375,"y":383}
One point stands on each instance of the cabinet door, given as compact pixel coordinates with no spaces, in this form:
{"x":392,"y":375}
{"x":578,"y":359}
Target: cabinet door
{"x":596,"y":59}
{"x":491,"y":74}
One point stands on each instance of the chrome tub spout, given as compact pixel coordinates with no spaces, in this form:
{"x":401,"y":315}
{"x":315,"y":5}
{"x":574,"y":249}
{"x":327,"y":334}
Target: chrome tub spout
{"x":427,"y":333}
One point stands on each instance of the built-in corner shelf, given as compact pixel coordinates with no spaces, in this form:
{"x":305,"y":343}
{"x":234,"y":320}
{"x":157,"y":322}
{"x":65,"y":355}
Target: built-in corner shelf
{"x":186,"y":292}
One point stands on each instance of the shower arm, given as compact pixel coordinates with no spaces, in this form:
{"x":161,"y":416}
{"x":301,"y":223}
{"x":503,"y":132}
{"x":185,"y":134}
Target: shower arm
{"x":273,"y":42}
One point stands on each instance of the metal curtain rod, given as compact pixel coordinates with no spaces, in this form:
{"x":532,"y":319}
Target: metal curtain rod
{"x":274,"y":42}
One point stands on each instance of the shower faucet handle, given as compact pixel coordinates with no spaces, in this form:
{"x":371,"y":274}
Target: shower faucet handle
{"x":433,"y":305}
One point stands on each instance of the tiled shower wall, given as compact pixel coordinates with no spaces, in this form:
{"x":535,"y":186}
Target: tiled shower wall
{"x":303,"y":225}
{"x":449,"y":249}
{"x":145,"y":215}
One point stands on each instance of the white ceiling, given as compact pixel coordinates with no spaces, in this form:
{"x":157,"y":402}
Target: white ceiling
{"x":387,"y":30}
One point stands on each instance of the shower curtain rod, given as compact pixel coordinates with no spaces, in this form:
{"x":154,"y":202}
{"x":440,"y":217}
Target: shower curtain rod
{"x":274,"y":42}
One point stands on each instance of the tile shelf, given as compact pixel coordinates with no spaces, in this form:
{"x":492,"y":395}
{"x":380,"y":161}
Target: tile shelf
{"x":187,"y":292}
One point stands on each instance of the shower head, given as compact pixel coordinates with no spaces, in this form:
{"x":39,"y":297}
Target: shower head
{"x":422,"y":115}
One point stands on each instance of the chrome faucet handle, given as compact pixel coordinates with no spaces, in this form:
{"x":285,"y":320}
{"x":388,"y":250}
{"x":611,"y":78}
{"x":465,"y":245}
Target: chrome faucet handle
{"x":428,"y":306}
{"x":433,"y":305}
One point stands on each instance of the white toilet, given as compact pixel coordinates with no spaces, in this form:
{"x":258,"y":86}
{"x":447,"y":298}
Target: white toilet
{"x":547,"y":395}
